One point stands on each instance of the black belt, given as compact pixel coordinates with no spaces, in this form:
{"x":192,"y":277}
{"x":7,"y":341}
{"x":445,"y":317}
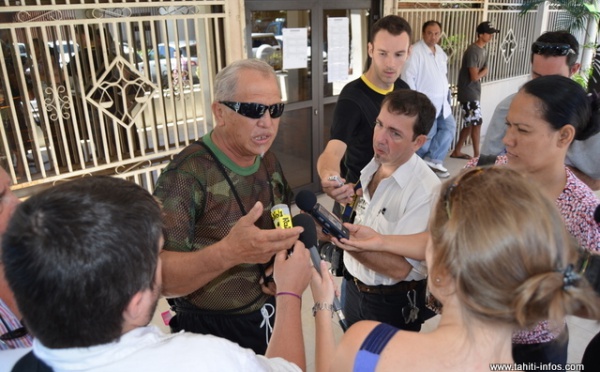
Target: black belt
{"x":399,"y":287}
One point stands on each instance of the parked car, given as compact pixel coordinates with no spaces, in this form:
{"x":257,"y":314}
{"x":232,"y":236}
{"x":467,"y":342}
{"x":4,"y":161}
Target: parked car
{"x":60,"y":52}
{"x":23,"y":53}
{"x":182,"y":65}
{"x":63,"y":50}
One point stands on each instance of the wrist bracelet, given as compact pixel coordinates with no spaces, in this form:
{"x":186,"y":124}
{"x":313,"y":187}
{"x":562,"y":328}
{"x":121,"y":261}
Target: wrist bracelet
{"x":322,"y":306}
{"x":289,"y":294}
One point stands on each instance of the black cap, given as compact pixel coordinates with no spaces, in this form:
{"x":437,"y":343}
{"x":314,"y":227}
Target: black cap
{"x":486,"y":28}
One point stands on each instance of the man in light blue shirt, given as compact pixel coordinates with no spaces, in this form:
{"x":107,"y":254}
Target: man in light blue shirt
{"x":427,"y":72}
{"x":553,"y":53}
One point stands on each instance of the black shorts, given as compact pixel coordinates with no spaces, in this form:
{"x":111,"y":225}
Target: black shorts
{"x":247,"y":330}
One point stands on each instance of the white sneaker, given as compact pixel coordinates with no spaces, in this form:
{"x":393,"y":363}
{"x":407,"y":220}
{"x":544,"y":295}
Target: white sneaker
{"x":437,"y":167}
{"x":442,"y":174}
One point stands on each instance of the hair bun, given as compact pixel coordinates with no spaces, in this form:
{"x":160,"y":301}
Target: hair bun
{"x":593,"y":127}
{"x":593,"y":99}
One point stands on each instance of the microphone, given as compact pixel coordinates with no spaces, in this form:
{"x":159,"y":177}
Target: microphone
{"x":309,"y":238}
{"x":282,"y":219}
{"x":307,"y":201}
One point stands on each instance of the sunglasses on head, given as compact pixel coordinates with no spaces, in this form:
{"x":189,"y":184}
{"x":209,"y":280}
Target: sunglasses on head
{"x":551,"y":49}
{"x":449,"y":193}
{"x":255,"y":110}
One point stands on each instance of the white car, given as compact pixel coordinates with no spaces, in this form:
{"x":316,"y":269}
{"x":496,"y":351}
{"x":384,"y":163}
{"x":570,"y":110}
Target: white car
{"x":181,"y":65}
{"x":63,"y":51}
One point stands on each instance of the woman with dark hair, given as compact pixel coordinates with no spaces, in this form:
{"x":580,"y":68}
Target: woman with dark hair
{"x":544,"y":118}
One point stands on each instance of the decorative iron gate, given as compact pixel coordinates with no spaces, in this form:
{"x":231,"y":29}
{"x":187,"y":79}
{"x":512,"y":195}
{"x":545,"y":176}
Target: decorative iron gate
{"x":111,"y":88}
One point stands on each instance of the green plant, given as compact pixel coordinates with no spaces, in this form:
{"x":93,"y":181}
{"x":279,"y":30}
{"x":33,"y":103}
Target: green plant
{"x":450,"y":44}
{"x":579,"y":11}
{"x":580,"y":15}
{"x":583,"y":77}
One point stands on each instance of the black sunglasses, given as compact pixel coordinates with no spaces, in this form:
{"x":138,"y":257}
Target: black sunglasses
{"x":255,"y":110}
{"x":457,"y":182}
{"x":551,"y":49}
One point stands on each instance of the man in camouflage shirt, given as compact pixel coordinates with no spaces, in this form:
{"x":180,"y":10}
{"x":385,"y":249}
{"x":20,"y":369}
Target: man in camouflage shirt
{"x":216,"y":262}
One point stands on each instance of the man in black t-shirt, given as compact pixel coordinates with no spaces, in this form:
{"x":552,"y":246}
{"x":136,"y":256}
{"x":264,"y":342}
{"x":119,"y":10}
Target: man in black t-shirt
{"x":351,"y":143}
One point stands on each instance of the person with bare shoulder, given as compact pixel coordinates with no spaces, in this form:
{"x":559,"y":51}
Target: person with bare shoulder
{"x":486,"y":225}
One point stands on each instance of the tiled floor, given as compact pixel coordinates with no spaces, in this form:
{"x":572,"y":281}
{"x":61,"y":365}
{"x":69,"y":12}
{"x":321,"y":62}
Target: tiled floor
{"x":580,"y":330}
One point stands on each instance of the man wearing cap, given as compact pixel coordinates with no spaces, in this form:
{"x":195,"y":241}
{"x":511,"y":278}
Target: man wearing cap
{"x":474,"y":67}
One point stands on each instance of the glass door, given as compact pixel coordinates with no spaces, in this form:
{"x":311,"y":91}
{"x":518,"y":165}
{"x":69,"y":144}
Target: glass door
{"x":309,"y":96}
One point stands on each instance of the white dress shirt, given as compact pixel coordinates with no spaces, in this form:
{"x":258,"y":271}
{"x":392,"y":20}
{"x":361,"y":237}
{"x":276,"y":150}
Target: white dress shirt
{"x":427,"y":72}
{"x":401,"y":205}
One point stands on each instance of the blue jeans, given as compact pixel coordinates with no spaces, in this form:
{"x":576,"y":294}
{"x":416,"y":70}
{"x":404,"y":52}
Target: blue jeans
{"x":439,"y":139}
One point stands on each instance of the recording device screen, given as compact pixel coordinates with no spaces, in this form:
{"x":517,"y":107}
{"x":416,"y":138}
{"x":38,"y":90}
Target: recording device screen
{"x":330,"y":223}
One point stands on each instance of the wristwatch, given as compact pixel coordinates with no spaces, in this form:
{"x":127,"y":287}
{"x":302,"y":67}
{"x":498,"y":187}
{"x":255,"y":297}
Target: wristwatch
{"x":322,"y":306}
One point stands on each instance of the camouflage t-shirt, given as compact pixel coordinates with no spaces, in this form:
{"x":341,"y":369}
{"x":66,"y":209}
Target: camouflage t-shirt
{"x":201,"y":208}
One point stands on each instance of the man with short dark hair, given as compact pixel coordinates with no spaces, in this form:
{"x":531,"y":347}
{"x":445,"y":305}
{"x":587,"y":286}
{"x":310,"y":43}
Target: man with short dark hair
{"x":473,"y":68}
{"x":426,"y":71}
{"x":350,"y":147}
{"x":398,"y":192}
{"x":553,"y":53}
{"x":83,"y":259}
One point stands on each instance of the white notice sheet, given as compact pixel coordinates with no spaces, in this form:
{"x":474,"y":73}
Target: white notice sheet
{"x":338,"y":48}
{"x":295,"y":42}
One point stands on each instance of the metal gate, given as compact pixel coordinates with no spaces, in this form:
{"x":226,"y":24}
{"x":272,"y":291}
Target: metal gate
{"x":509,"y":51}
{"x":111,"y":88}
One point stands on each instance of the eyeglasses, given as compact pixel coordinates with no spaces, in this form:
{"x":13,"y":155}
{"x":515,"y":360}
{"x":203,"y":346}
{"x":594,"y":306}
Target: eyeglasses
{"x":255,"y":110}
{"x":14,"y":333}
{"x":551,"y":49}
{"x":457,"y":182}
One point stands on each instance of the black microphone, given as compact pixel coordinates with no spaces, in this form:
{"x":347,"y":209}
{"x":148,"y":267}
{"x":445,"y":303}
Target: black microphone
{"x":597,"y":214}
{"x":309,"y":238}
{"x":307,"y":201}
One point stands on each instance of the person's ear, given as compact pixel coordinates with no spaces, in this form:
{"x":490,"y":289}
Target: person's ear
{"x":370,"y":49}
{"x":573,"y":69}
{"x":218,"y":112}
{"x":136,"y":311}
{"x":566,"y":135}
{"x":420,"y":141}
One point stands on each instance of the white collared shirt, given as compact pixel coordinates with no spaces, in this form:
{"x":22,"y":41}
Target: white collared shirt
{"x":401,"y":205}
{"x":427,"y":72}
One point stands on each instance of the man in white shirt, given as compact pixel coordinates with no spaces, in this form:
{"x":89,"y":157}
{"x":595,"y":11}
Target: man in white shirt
{"x":83,"y":260}
{"x":426,"y":71}
{"x":398,"y":190}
